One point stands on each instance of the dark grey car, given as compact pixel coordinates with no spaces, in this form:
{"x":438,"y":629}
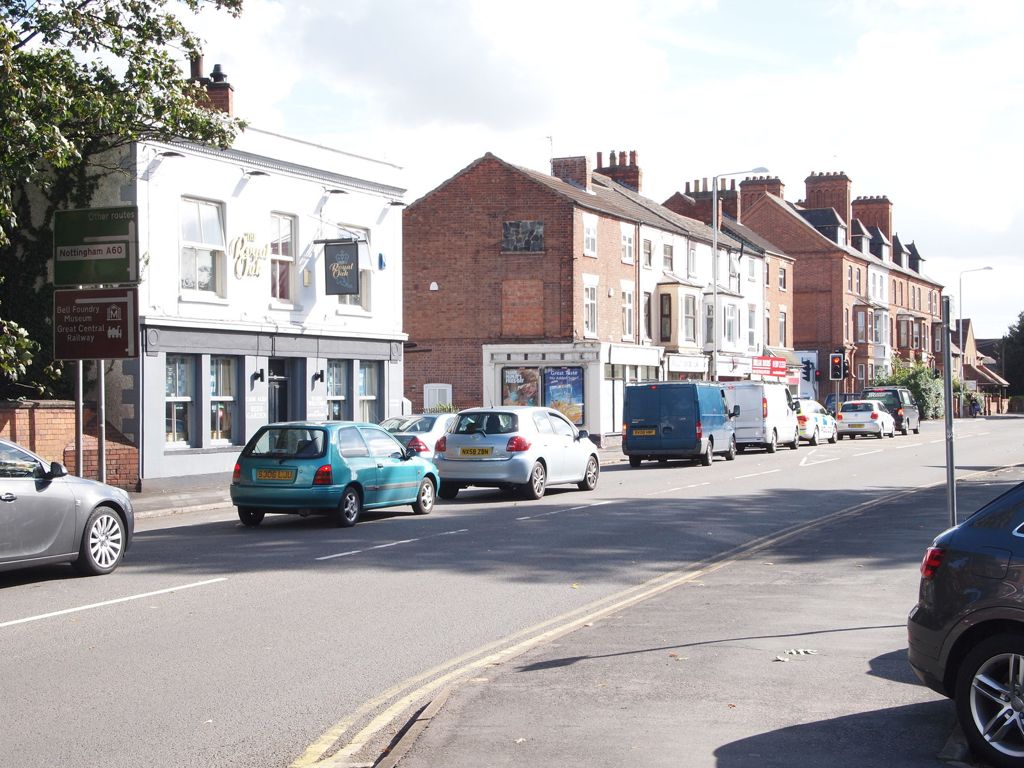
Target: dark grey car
{"x":49,"y":516}
{"x":901,"y":404}
{"x":966,"y":632}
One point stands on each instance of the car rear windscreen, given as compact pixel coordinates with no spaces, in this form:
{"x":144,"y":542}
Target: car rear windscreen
{"x":486,"y":422}
{"x":288,"y":443}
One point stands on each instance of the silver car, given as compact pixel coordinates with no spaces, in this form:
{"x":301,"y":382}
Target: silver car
{"x":515,"y":447}
{"x":49,"y":516}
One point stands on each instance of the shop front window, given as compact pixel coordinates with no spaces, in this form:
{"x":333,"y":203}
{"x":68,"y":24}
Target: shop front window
{"x":178,"y":389}
{"x":339,"y":376}
{"x":223,"y":384}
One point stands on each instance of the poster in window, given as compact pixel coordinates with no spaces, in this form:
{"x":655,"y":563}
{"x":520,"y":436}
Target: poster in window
{"x":520,"y":386}
{"x":341,"y":265}
{"x":563,"y":391}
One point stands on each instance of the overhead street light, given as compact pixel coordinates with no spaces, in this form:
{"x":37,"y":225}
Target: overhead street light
{"x":960,"y":331}
{"x":714,"y":264}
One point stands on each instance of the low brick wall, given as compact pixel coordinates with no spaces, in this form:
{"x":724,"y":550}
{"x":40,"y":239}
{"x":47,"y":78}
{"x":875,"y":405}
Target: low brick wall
{"x":47,"y":427}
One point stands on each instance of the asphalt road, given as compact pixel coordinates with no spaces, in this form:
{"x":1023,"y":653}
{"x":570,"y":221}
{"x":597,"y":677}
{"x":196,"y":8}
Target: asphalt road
{"x":217,"y":645}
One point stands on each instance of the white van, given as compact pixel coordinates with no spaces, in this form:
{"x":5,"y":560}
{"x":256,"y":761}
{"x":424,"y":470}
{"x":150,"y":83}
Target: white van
{"x":767,"y":414}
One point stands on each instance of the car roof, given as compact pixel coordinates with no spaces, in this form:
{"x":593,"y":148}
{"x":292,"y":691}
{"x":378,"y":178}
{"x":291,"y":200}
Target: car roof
{"x":864,"y":400}
{"x":512,"y":408}
{"x":321,"y":424}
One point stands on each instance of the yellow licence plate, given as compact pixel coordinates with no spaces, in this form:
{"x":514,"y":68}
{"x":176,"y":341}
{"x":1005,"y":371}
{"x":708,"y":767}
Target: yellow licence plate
{"x":644,"y":432}
{"x":275,"y":474}
{"x":474,"y":452}
{"x":856,"y":426}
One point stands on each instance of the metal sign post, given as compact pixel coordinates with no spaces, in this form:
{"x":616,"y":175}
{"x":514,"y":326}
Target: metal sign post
{"x":947,"y":396}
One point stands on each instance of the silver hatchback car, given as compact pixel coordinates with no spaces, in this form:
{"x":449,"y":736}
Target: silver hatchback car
{"x":49,"y":516}
{"x":515,"y":447}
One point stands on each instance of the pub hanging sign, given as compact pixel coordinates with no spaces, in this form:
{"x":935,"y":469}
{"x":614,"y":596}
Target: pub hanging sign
{"x":341,"y":265}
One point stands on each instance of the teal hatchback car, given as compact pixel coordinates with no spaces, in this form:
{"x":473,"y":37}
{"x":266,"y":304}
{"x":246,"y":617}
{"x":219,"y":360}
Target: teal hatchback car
{"x":333,"y":468}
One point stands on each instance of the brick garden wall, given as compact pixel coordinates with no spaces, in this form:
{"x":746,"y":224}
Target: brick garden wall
{"x":47,"y":427}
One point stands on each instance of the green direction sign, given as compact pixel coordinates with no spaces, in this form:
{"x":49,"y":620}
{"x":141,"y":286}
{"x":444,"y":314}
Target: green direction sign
{"x":96,"y":246}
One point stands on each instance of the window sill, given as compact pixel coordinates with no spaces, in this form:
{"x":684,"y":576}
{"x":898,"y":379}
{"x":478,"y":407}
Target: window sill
{"x":178,"y":448}
{"x":351,"y":311}
{"x":588,"y":335}
{"x":202,"y":297}
{"x":284,"y":306}
{"x":590,"y":255}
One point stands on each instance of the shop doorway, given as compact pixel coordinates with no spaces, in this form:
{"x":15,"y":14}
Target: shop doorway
{"x":277,"y":396}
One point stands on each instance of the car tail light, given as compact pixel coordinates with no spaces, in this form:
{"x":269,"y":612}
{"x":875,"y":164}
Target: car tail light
{"x":931,"y":562}
{"x":899,"y":411}
{"x":441,"y":444}
{"x":323,"y":476}
{"x":236,"y":476}
{"x":700,"y":430}
{"x":764,"y":407}
{"x":839,"y":417}
{"x":801,"y":419}
{"x":874,"y":415}
{"x":517,"y":443}
{"x":417,"y":445}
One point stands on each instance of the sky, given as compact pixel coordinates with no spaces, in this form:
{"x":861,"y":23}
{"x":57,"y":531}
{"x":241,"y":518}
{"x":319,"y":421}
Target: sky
{"x":918,"y":100}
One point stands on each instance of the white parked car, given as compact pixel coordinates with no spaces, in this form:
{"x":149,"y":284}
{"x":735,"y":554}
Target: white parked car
{"x":524,"y":448}
{"x":419,"y":432}
{"x":865,"y":417}
{"x":816,"y":424}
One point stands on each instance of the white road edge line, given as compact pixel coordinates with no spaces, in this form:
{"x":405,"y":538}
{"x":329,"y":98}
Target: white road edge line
{"x":66,"y":611}
{"x":868,"y":453}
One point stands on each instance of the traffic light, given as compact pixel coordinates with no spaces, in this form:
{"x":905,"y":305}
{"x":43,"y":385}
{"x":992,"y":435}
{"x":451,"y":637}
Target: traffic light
{"x":807,"y":366}
{"x":836,"y":367}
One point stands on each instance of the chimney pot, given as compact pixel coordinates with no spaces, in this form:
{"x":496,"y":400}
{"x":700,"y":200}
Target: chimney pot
{"x":622,"y":157}
{"x":217,"y":74}
{"x":197,"y":67}
{"x":632,"y":157}
{"x":600,"y":159}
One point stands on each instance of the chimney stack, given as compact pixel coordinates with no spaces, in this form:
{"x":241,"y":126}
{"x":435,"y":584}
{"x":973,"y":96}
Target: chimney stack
{"x":874,"y":212}
{"x":754,"y":187}
{"x":830,"y":190}
{"x":220,"y":94}
{"x":626,"y":174}
{"x":697,"y":203}
{"x":573,"y":170}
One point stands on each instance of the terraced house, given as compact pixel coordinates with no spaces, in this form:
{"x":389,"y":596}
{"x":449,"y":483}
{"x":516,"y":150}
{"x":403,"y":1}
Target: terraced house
{"x":524,"y":287}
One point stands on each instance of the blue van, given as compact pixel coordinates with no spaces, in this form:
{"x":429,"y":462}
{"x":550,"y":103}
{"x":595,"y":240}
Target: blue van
{"x":677,"y":420}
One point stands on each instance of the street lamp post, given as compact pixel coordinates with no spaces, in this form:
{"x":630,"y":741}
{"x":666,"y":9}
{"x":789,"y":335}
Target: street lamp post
{"x":714,"y":264}
{"x":960,"y":333}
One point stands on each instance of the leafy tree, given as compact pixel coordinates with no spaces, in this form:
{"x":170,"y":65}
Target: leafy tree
{"x":1013,"y":356}
{"x":79,"y":80}
{"x":921,"y":381}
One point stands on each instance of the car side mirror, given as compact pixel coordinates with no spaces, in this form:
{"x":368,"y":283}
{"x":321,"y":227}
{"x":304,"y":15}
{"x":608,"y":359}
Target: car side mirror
{"x":583,"y":435}
{"x":734,"y":412}
{"x":56,"y":470}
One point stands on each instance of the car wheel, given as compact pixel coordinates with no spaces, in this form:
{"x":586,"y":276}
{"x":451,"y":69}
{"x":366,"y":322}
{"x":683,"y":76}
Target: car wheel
{"x":448,"y":491}
{"x":989,"y":682}
{"x":534,"y":487}
{"x":815,"y":438}
{"x":103,"y":543}
{"x":250,"y":516}
{"x":795,"y":445}
{"x":424,"y":503}
{"x":773,"y":444}
{"x":834,"y":436}
{"x":349,"y":508}
{"x":917,"y":429}
{"x":634,"y":461}
{"x":589,"y":481}
{"x":730,"y":455}
{"x":709,"y":454}
{"x":904,"y":431}
{"x":881,"y":432}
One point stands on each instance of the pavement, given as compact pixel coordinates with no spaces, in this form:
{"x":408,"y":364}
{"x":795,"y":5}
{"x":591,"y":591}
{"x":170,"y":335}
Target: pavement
{"x":791,"y":656}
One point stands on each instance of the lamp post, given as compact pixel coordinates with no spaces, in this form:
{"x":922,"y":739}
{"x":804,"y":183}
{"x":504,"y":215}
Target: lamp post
{"x":714,"y":264}
{"x":960,"y":333}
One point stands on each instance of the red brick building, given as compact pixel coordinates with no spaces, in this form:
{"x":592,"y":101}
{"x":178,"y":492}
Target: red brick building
{"x":857,"y":290}
{"x":523,"y":287}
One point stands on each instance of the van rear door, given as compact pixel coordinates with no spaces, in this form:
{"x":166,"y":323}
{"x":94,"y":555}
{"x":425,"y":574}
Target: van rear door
{"x":661,"y":419}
